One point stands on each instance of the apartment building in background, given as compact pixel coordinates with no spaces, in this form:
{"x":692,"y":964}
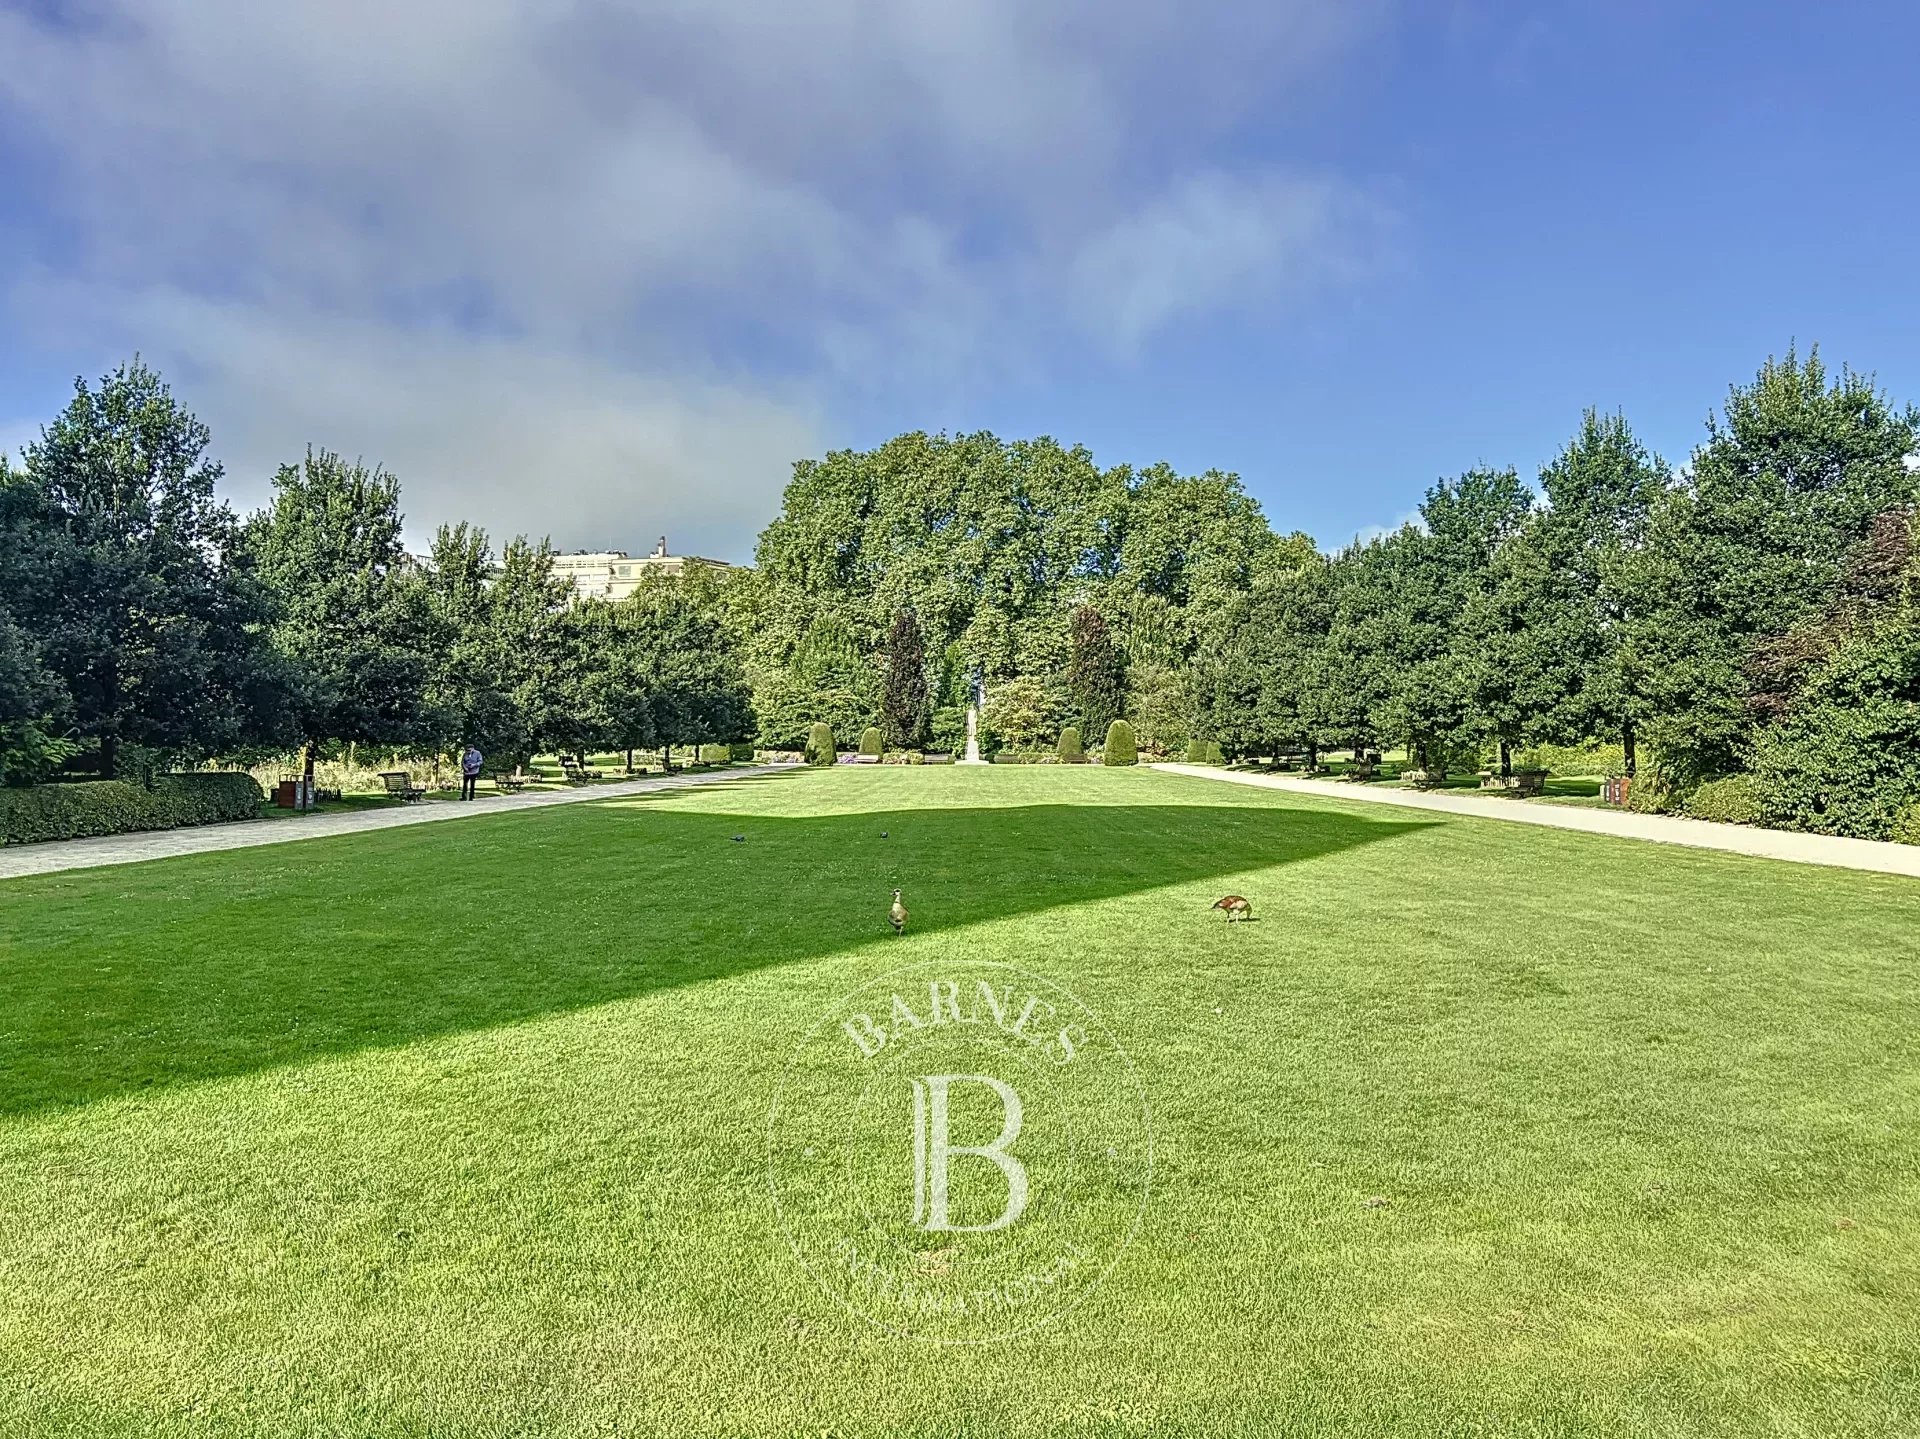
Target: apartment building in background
{"x":614,"y":574}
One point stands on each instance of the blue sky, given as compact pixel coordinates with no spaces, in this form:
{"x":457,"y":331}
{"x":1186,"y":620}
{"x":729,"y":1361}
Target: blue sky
{"x":604,"y":270}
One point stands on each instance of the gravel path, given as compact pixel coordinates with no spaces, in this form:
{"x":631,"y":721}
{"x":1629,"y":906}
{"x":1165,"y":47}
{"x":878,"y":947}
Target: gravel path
{"x":1824,"y":849}
{"x":23,"y":859}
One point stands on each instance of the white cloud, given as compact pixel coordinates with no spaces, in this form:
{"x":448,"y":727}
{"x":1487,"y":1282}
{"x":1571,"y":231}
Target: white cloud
{"x":622,"y":234}
{"x":1217,"y":241}
{"x":1367,"y":534}
{"x":521,"y":438}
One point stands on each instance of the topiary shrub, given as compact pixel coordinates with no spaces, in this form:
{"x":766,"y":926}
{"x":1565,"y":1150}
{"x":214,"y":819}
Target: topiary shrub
{"x":1732,"y":800}
{"x":208,"y":797}
{"x":738,"y":752}
{"x":715,"y":753}
{"x":820,"y":746}
{"x":1070,"y":749}
{"x":872,"y":743}
{"x":97,"y":807}
{"x":1121,"y":748}
{"x":1205,"y":751}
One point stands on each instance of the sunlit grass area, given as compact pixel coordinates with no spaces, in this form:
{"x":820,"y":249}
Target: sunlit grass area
{"x":461,"y":1129}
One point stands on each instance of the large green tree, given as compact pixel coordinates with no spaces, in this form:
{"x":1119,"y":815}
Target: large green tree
{"x":470,"y":697}
{"x":994,"y":546}
{"x":123,"y":577}
{"x":685,"y":651}
{"x":1839,"y":749}
{"x":353,"y":615}
{"x":1752,"y":543}
{"x":1601,"y":491}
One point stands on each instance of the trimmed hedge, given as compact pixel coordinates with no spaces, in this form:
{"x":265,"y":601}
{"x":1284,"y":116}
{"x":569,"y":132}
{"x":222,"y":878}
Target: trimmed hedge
{"x":1565,"y":759}
{"x":1071,"y":750}
{"x":872,"y":743}
{"x":1205,"y":751}
{"x":111,"y":806}
{"x":1732,"y":800}
{"x":715,"y":753}
{"x":820,"y":746}
{"x":1122,"y":748}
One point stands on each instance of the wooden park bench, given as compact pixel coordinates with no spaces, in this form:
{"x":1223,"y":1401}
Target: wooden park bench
{"x":508,"y":784}
{"x":400,"y":783}
{"x":576,"y":772}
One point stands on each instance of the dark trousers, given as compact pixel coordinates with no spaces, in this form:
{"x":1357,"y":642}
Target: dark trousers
{"x":467,"y":782}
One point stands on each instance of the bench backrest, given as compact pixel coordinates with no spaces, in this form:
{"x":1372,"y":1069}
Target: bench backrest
{"x":397,"y":781}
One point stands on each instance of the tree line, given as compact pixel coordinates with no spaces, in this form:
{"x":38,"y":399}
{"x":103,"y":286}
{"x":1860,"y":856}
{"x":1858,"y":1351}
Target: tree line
{"x":144,"y":625}
{"x":1743,"y":626}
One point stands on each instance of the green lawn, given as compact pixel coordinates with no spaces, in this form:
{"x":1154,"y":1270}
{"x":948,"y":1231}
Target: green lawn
{"x":462,"y":1129}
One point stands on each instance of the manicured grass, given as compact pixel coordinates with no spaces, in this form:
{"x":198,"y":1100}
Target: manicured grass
{"x":460,"y":1129}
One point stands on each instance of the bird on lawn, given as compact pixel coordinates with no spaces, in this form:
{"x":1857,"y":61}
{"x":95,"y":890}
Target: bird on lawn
{"x":1236,"y":907}
{"x":897,"y":916}
{"x":739,"y":839}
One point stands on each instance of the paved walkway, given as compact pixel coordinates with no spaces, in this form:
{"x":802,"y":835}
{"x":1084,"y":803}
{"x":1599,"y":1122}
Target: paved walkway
{"x":1662,"y":829}
{"x":56,"y":855}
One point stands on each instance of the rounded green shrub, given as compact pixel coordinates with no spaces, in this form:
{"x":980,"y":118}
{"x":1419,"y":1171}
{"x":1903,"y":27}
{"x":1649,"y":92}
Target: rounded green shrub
{"x":1070,"y":749}
{"x":1732,"y":800}
{"x":872,"y":743}
{"x":1122,"y":748}
{"x":820,"y":747}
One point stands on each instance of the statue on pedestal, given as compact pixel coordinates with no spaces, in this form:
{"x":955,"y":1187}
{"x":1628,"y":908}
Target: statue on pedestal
{"x":973,"y":719}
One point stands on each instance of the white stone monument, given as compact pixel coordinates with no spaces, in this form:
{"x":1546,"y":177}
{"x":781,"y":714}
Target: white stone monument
{"x":973,"y":722}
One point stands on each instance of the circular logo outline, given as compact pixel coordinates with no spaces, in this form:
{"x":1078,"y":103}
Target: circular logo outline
{"x":1092,"y":1025}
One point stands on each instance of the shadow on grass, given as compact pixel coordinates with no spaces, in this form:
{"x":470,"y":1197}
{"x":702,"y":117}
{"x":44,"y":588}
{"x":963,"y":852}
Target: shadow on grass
{"x":129,"y":979}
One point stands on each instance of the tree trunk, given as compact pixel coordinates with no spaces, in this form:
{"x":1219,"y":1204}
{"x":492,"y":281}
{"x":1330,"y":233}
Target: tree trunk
{"x":306,"y":774}
{"x":1627,"y":745}
{"x":629,"y":759}
{"x":1313,"y":756}
{"x":109,"y":755}
{"x":1506,"y":760}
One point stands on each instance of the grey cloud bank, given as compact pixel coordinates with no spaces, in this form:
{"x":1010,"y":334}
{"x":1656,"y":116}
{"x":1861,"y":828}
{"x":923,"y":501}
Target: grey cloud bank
{"x":605,"y":270}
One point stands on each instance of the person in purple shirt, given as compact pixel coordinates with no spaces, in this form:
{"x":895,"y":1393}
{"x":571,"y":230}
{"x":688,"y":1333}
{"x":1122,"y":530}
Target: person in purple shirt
{"x":469,"y":772}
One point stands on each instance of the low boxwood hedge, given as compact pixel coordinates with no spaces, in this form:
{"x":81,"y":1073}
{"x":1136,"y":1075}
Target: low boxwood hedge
{"x":111,"y":806}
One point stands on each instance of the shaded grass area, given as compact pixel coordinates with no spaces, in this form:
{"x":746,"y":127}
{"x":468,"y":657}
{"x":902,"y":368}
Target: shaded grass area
{"x":458,"y":1129}
{"x":380,"y":939}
